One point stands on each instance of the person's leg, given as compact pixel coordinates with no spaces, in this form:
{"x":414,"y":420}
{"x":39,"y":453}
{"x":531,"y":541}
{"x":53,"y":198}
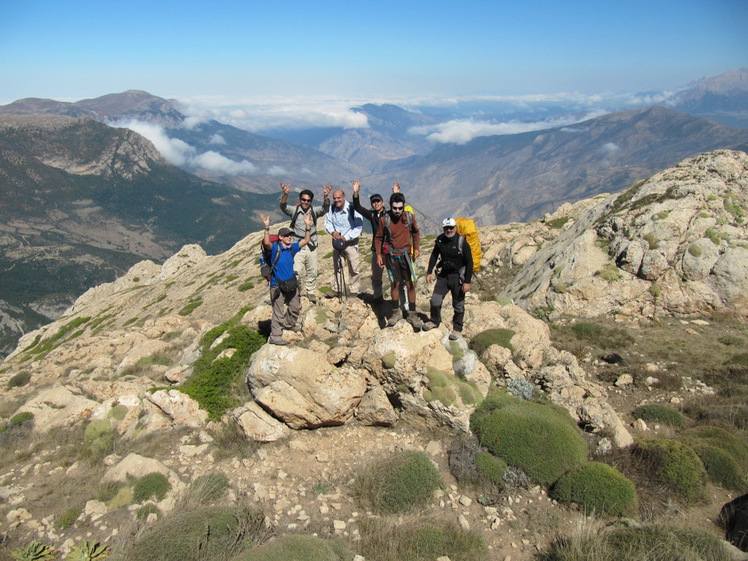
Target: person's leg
{"x":279,"y":315}
{"x":312,"y":271}
{"x":458,"y":304}
{"x":376,"y":276}
{"x":293,"y":307}
{"x":437,"y":298}
{"x":300,"y":265}
{"x":351,"y":253}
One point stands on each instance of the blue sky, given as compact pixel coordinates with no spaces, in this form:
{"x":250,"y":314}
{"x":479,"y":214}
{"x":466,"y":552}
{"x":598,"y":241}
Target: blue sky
{"x":237,"y":54}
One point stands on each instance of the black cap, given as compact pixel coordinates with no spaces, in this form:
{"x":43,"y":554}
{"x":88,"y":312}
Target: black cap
{"x":376,"y":197}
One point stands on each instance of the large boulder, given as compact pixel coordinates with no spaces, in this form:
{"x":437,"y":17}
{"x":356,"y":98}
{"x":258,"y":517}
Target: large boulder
{"x":302,"y":389}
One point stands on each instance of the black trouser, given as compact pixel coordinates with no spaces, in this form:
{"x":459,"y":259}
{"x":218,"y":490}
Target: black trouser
{"x":448,"y":283}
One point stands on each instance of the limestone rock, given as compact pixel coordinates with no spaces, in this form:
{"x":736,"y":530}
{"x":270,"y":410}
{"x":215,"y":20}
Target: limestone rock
{"x":257,"y":424}
{"x":58,"y":407}
{"x":300,"y":387}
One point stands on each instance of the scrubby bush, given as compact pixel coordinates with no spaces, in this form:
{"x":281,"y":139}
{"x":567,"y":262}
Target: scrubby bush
{"x":20,"y":379}
{"x":659,"y":413}
{"x":20,"y":418}
{"x":539,"y":438}
{"x":95,"y":429}
{"x":675,"y":465}
{"x":154,"y":485}
{"x":597,"y":488}
{"x":418,"y":540}
{"x":295,"y":547}
{"x":207,"y":488}
{"x":521,"y":388}
{"x":491,"y":468}
{"x":724,"y":455}
{"x":399,"y":483}
{"x":648,"y":542}
{"x":502,"y":337}
{"x":67,"y":518}
{"x":216,"y":533}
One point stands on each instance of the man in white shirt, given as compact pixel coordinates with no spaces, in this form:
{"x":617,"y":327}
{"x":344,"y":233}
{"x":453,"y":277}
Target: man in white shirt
{"x":345,"y":225}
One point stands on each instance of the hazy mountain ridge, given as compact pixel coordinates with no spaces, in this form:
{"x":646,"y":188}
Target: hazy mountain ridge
{"x":723,"y":98}
{"x":81,"y":202}
{"x":517,"y":178}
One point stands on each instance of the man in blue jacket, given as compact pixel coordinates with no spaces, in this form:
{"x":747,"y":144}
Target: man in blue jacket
{"x":284,"y":288}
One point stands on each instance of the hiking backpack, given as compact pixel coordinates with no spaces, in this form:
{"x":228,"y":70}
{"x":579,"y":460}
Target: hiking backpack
{"x":266,"y":267}
{"x":466,"y":227}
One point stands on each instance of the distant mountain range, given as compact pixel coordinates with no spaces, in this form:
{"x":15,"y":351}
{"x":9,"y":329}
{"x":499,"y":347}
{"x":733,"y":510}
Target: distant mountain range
{"x":82,"y":200}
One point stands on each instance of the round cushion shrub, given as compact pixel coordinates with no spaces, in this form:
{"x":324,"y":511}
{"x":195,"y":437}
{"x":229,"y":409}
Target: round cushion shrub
{"x":676,"y":465}
{"x":296,"y":547}
{"x":401,"y":482}
{"x":195,"y":535}
{"x":539,"y":438}
{"x":597,"y":488}
{"x":491,"y":468}
{"x":499,"y":336}
{"x":154,"y":485}
{"x":659,"y":413}
{"x":723,"y":453}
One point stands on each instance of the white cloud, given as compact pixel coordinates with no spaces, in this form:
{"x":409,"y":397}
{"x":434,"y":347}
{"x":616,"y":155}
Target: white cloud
{"x":462,"y":131}
{"x":217,"y":139}
{"x":610,"y":148}
{"x":215,"y":162}
{"x":179,"y":153}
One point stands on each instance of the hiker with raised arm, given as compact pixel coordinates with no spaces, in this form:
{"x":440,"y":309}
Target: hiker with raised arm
{"x":374,"y":215}
{"x":284,"y":288}
{"x":306,"y":263}
{"x":397,"y":243}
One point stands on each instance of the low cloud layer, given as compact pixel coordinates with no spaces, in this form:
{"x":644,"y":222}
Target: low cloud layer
{"x":182,"y":154}
{"x":463,"y":131}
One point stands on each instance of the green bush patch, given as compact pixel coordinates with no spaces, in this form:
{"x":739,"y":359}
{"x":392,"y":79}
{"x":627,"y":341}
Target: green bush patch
{"x":539,"y":438}
{"x":676,"y":465}
{"x":597,"y":488}
{"x":151,"y":486}
{"x":485,"y":339}
{"x":724,"y":455}
{"x":297,"y":546}
{"x":659,"y":413}
{"x":402,"y":482}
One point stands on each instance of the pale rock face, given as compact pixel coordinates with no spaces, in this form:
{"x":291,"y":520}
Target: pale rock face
{"x":58,"y":407}
{"x":181,"y":408}
{"x":259,"y":425}
{"x":675,"y":244}
{"x":300,"y":387}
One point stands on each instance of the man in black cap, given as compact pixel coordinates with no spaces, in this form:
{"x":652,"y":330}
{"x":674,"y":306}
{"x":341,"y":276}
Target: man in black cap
{"x":373,"y":215}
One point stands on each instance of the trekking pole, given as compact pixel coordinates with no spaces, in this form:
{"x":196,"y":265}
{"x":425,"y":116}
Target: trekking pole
{"x":343,"y":288}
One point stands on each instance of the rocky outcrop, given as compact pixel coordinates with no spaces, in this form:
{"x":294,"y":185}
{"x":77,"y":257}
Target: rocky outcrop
{"x":674,"y":244}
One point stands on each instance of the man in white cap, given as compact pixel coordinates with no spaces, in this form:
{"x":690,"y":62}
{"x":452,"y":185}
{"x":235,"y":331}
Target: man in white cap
{"x":453,"y":261}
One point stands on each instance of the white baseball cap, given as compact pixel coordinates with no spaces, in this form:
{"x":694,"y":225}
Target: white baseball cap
{"x":449,"y":223}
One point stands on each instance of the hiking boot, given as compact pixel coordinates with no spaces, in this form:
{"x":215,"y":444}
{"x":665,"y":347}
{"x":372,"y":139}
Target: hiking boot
{"x":415,"y":321}
{"x":429,"y":325}
{"x":296,"y":328}
{"x":396,"y":316}
{"x":277,"y":341}
{"x":454,"y":335}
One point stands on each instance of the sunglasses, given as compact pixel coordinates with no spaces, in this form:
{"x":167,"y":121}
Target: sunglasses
{"x":398,"y":207}
{"x":306,"y":200}
{"x":450,"y":227}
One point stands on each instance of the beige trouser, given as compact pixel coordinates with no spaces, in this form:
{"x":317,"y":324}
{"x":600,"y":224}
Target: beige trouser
{"x":350,"y":255}
{"x":306,"y":260}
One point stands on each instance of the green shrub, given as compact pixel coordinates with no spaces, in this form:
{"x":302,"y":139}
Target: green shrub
{"x":485,"y":339}
{"x":418,"y":540}
{"x":154,"y":485}
{"x":643,"y":543}
{"x":191,"y":306}
{"x":610,"y":273}
{"x":95,"y":429}
{"x":402,"y":482}
{"x":597,"y":488}
{"x":557,"y":223}
{"x":213,"y":382}
{"x":491,"y":468}
{"x":208,"y":488}
{"x":297,"y":547}
{"x":20,"y":418}
{"x":19,"y":380}
{"x":88,"y":551}
{"x":724,"y":455}
{"x":695,"y":250}
{"x":659,"y":413}
{"x":675,"y":465}
{"x":67,"y":518}
{"x":195,"y":535}
{"x":539,"y":438}
{"x":145,"y":510}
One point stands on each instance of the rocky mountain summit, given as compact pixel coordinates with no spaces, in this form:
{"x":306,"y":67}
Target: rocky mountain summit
{"x":125,"y":359}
